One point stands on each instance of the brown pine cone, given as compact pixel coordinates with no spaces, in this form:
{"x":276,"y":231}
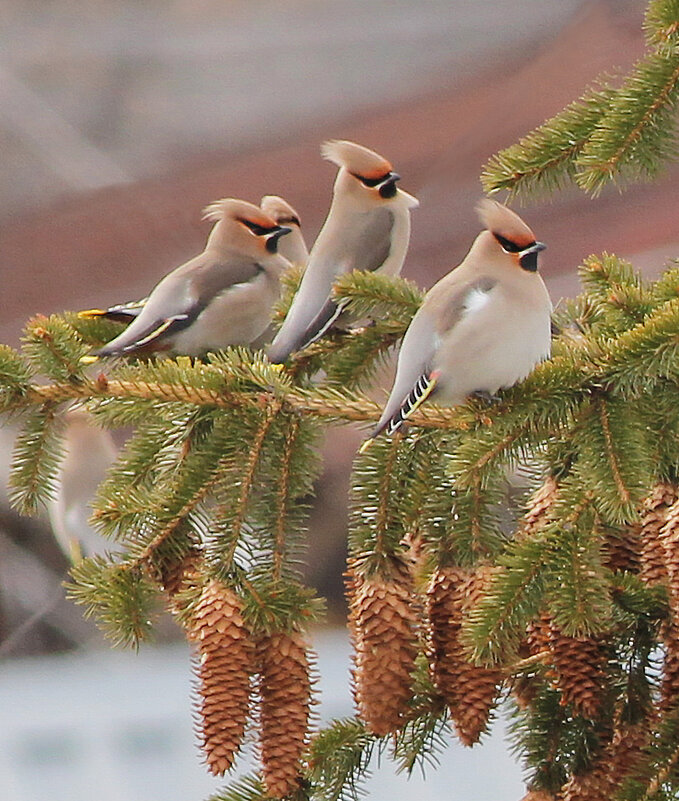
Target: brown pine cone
{"x":383,"y":624}
{"x":224,"y":670}
{"x":285,"y":704}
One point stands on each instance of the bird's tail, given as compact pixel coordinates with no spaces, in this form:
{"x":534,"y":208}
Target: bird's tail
{"x":423,"y":388}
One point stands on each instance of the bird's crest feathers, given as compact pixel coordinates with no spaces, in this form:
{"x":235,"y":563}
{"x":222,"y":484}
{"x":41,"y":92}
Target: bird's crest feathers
{"x":499,"y":219}
{"x":232,"y":208}
{"x":278,"y":209}
{"x":355,"y":158}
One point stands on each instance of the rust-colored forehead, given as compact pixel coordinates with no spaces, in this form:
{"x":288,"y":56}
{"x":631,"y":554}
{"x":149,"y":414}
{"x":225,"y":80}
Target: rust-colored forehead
{"x":506,"y":223}
{"x":356,"y":158}
{"x":234,"y":209}
{"x":257,"y":216}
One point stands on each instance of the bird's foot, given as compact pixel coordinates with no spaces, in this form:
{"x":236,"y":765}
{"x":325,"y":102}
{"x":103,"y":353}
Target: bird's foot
{"x":485,"y":396}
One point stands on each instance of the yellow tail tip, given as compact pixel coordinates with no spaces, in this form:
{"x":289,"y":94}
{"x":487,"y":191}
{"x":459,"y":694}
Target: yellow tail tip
{"x":364,"y":447}
{"x":91,"y":313}
{"x":89,"y":359}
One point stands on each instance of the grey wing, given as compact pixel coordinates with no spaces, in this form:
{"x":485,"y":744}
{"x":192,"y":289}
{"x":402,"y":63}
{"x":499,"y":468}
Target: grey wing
{"x":371,"y":244}
{"x":367,"y":247}
{"x":178,"y":300}
{"x":456,"y":299}
{"x":444,"y":306}
{"x":414,"y":361}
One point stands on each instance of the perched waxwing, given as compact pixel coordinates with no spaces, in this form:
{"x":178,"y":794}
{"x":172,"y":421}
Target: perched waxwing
{"x":367,"y":228}
{"x":292,"y":247}
{"x":482,"y":327}
{"x":221,"y":297}
{"x":88,"y":453}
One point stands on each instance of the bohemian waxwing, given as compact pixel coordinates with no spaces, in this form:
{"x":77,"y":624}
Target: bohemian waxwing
{"x":292,"y":247}
{"x":88,"y":453}
{"x":221,"y":297}
{"x":483,"y":326}
{"x":367,"y":228}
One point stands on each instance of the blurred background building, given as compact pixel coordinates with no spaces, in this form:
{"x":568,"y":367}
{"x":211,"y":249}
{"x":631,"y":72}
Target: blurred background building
{"x":119,"y":122}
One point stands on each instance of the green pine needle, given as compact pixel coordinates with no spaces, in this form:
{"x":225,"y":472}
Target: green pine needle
{"x":119,"y":597}
{"x":636,"y":134}
{"x":338,"y":760}
{"x":544,"y":161}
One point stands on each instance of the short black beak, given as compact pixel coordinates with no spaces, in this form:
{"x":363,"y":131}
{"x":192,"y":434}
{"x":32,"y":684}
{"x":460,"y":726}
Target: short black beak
{"x":528,"y":258}
{"x":274,"y":236}
{"x":388,"y":186}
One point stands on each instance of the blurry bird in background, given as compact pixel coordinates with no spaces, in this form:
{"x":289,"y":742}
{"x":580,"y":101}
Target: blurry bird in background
{"x":223,"y":296}
{"x":292,"y":247}
{"x":367,"y":228}
{"x":88,"y":452}
{"x":483,"y":326}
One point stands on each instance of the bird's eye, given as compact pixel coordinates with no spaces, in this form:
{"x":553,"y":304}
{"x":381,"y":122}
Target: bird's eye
{"x":290,"y":221}
{"x":507,"y":244}
{"x":257,"y":230}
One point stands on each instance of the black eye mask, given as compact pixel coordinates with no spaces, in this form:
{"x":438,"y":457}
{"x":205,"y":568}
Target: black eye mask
{"x":508,"y":245}
{"x":258,"y":230}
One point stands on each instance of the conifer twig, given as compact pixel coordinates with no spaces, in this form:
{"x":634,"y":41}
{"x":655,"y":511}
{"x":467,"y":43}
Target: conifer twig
{"x":282,"y":497}
{"x":623,"y":492}
{"x":251,"y":466}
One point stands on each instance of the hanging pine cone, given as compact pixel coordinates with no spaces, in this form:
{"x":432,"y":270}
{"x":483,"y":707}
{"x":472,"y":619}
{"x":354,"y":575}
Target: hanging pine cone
{"x":176,"y":575}
{"x":525,"y":686}
{"x":538,"y":795}
{"x":622,"y":548}
{"x":285,"y":703}
{"x":383,"y":626}
{"x":539,"y":507}
{"x":470,"y":691}
{"x":669,"y":535}
{"x":612,"y":765}
{"x":578,"y":672}
{"x":653,"y":519}
{"x":224,"y":671}
{"x":178,"y":580}
{"x":539,"y":634}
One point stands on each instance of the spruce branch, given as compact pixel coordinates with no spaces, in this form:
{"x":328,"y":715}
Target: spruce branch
{"x":661,"y":23}
{"x":35,"y":460}
{"x":283,"y":499}
{"x":15,"y":379}
{"x":338,"y":760}
{"x":494,"y":628}
{"x":636,"y":133}
{"x":247,"y":788}
{"x":120,"y":597}
{"x":613,"y":453}
{"x":53,"y":347}
{"x":421,"y":741}
{"x":248,"y":475}
{"x":577,"y":589}
{"x":544,"y":160}
{"x":378,"y":296}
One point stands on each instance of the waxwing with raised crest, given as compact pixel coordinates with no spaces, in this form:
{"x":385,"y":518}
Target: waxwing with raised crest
{"x":367,"y":228}
{"x":223,"y":296}
{"x":292,"y":246}
{"x":482,"y":327}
